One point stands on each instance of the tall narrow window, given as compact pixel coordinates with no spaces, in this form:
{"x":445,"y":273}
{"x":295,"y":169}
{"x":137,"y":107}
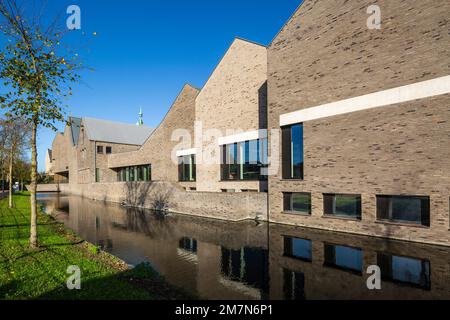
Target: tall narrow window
{"x":292,"y":152}
{"x":186,"y":168}
{"x":97,"y":175}
{"x":411,"y":210}
{"x":342,"y":205}
{"x":293,"y":285}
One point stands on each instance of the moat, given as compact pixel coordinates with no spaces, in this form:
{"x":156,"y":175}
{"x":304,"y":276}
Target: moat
{"x":248,"y":260}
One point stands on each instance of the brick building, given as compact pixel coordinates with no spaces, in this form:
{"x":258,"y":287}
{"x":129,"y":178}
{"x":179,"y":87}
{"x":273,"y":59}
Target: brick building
{"x":364,"y":120}
{"x":358,"y":128}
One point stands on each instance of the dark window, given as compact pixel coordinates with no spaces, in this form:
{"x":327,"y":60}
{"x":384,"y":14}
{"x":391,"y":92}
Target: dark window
{"x":292,"y":152}
{"x":244,"y":160}
{"x":412,"y":271}
{"x":342,"y":205}
{"x":246,"y":265}
{"x":188,"y":244}
{"x":414,"y":210}
{"x":297,"y":202}
{"x":108,"y":150}
{"x":293,"y":285}
{"x":186,"y":168}
{"x":298,"y":248}
{"x":342,"y":257}
{"x":99,"y":149}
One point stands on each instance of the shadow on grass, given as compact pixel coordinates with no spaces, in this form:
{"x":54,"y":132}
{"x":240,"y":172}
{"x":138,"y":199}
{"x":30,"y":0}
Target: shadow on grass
{"x":25,"y":225}
{"x":140,"y":283}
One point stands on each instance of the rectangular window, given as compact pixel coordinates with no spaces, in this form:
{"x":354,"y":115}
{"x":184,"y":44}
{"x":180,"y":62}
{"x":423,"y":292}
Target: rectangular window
{"x":186,"y":168}
{"x":342,"y":205}
{"x":99,"y":149}
{"x":188,"y":244}
{"x":244,"y":161}
{"x":97,"y":175}
{"x":342,"y":257}
{"x":404,"y":209}
{"x":293,"y":285}
{"x":136,"y":173}
{"x":297,"y":202}
{"x":292,"y":152}
{"x":108,"y":150}
{"x":412,"y":271}
{"x":298,"y":248}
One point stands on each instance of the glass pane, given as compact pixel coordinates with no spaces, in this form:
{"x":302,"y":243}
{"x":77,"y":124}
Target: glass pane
{"x":407,"y":209}
{"x":301,"y":202}
{"x":302,"y":248}
{"x":342,"y":205}
{"x":349,"y":258}
{"x":297,"y":151}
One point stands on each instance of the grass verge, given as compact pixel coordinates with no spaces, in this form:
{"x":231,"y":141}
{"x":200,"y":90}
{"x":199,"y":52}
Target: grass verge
{"x":42,"y":273}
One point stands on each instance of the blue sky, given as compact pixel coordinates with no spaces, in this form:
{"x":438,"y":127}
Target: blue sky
{"x":144,"y":51}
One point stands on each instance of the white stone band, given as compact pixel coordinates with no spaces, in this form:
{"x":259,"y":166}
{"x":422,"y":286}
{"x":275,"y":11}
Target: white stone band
{"x":241,"y":137}
{"x":187,"y":152}
{"x":406,"y":93}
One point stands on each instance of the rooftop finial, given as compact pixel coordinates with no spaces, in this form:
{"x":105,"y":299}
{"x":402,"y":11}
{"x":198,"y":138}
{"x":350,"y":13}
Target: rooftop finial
{"x":140,"y":121}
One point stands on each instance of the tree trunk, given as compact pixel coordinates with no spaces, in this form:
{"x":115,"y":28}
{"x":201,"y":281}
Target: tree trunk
{"x":3,"y":178}
{"x":33,"y":187}
{"x":11,"y":153}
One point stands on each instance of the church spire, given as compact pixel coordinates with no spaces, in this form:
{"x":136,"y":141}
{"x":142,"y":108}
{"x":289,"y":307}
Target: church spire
{"x":140,"y":121}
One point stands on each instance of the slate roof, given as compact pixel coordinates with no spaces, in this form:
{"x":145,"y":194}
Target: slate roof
{"x":115,"y":132}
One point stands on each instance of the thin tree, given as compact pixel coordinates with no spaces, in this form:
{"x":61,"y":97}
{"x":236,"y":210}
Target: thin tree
{"x":3,"y":156}
{"x":16,"y":143}
{"x":39,"y":74}
{"x":22,"y":171}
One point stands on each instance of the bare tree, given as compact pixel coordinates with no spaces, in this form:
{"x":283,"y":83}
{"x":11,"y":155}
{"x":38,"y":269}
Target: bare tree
{"x":17,"y":137}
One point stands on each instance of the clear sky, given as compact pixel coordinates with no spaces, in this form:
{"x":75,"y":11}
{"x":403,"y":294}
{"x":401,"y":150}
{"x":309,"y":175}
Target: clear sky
{"x":144,"y":51}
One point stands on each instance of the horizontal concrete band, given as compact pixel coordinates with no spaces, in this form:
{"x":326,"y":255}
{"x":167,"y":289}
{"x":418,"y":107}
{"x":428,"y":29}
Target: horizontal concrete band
{"x":241,"y":137}
{"x":187,"y":152}
{"x":406,"y":93}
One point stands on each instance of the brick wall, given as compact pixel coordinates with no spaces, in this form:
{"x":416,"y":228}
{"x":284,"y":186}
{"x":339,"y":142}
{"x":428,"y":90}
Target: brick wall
{"x":159,"y":149}
{"x":398,"y":149}
{"x":229,"y":206}
{"x":231,"y":100}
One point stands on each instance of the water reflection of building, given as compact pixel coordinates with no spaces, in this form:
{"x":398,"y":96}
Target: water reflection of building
{"x":315,"y":264}
{"x":223,"y":260}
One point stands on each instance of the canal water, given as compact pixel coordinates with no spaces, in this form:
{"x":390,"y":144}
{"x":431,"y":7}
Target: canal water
{"x":246,"y":260}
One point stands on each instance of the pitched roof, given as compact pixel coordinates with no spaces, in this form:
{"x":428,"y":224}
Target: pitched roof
{"x":115,"y":132}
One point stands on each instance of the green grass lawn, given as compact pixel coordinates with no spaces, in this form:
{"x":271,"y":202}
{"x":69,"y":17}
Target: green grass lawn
{"x":41,"y":273}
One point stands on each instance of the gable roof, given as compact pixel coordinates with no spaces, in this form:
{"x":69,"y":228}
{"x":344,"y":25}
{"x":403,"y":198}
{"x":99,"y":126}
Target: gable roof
{"x":231,"y":46}
{"x":115,"y":132}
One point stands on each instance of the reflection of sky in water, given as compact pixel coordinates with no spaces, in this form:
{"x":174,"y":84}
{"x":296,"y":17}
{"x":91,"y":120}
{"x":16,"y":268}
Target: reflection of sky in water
{"x":301,"y":248}
{"x":218,"y":259}
{"x":406,"y":269}
{"x":349,"y":258}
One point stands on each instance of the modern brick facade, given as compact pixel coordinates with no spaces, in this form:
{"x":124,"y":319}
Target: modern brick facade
{"x":232,"y":101}
{"x":397,"y":149}
{"x":374,"y":110}
{"x":159,"y":149}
